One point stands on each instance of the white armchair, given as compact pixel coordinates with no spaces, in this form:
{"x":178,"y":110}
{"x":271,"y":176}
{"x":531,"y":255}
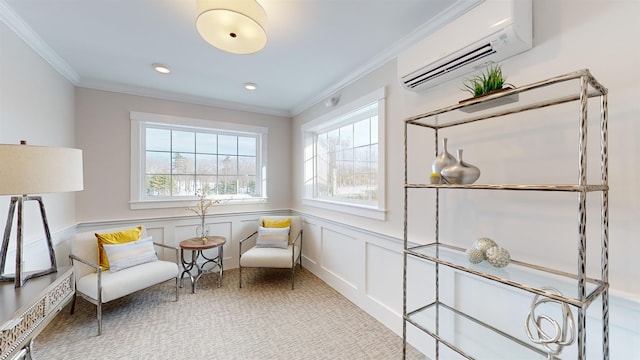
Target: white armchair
{"x":100,"y":286}
{"x":285,"y":257}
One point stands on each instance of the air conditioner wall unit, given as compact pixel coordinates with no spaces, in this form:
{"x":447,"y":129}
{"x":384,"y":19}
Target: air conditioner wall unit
{"x":492,"y":31}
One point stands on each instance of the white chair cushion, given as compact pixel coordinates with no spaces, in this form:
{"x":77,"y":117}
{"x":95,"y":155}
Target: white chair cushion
{"x":127,"y":281}
{"x":269,"y":257}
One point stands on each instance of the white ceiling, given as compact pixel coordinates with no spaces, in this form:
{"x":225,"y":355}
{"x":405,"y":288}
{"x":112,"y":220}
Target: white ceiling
{"x":314,"y":47}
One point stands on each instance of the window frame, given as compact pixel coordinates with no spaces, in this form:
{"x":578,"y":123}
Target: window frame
{"x":138,"y":200}
{"x":333,"y":119}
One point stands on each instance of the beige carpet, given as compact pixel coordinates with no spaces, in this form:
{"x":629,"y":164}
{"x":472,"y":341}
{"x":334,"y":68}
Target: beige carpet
{"x":263,"y":320}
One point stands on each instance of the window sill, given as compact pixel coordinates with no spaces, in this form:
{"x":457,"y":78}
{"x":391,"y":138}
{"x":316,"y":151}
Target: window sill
{"x":353,"y":209}
{"x":166,"y":204}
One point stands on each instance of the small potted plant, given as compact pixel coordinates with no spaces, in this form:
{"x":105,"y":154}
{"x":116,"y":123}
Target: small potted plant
{"x":486,"y":82}
{"x":490,"y":81}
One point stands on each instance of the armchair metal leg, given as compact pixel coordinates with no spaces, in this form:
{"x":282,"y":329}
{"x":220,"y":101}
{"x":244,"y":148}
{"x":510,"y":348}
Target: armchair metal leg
{"x":177,"y":287}
{"x":99,"y":313}
{"x":293,"y":272}
{"x":240,"y":277}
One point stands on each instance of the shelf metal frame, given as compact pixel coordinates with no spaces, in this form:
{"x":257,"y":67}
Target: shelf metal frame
{"x":438,"y":305}
{"x":589,"y":88}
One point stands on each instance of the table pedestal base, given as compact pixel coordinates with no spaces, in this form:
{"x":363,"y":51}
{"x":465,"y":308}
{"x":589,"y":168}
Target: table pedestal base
{"x":197,"y":247}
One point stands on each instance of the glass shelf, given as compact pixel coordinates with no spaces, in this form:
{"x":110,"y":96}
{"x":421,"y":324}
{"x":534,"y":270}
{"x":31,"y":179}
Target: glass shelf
{"x":462,"y":333}
{"x":528,"y":277}
{"x":532,"y":187}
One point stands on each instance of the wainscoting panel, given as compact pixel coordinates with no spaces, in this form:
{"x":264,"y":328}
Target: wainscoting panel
{"x":421,"y":282}
{"x":311,"y":250}
{"x":243,"y":228}
{"x":36,"y":253}
{"x":363,"y":266}
{"x":340,"y":253}
{"x":157,"y":232}
{"x":384,"y":277}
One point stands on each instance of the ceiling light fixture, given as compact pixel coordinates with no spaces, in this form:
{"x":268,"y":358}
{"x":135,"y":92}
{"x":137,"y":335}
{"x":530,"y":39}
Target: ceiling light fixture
{"x":250,"y":86}
{"x":163,"y":69}
{"x":235,"y":26}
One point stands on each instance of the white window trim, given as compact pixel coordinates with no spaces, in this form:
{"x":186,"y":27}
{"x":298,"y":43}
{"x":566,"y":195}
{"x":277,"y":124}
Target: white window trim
{"x":137,"y":149}
{"x":378,"y":211}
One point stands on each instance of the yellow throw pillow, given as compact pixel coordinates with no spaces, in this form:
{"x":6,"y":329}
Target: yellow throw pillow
{"x":277,"y":223}
{"x":119,"y":237}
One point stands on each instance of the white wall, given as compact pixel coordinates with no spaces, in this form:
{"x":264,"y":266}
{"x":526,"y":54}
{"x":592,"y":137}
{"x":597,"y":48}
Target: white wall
{"x":36,"y":105}
{"x":103,"y":130}
{"x":568,"y":35}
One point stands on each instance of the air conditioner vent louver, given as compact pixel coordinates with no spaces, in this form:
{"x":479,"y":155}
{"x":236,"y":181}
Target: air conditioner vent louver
{"x":490,"y":32}
{"x":460,"y":61}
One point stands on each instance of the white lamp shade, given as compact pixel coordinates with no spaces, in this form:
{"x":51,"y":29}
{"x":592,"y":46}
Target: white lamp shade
{"x":235,"y":26}
{"x":27,"y":169}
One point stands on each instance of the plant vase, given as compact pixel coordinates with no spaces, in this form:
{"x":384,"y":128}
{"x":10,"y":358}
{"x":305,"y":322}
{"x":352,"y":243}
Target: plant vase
{"x":202,"y":231}
{"x":485,"y":88}
{"x":498,"y":101}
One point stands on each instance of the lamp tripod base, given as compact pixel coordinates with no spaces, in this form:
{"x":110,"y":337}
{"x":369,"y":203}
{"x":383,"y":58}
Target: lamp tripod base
{"x":19,"y":277}
{"x":24,"y":276}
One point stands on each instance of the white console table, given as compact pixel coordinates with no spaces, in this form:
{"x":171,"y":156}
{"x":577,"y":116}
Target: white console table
{"x":25,"y":311}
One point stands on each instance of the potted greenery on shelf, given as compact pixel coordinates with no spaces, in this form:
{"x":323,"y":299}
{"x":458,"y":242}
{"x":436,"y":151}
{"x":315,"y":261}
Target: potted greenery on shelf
{"x":488,"y":81}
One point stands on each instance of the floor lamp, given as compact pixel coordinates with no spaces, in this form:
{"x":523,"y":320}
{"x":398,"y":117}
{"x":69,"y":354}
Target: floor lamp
{"x":26,"y":169}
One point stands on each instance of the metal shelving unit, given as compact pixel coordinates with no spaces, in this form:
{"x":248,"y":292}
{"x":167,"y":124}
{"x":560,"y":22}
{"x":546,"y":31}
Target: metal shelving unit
{"x":526,"y":277}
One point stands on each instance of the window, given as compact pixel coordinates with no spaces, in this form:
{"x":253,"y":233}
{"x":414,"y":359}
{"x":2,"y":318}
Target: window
{"x":344,"y":158}
{"x":174,"y":157}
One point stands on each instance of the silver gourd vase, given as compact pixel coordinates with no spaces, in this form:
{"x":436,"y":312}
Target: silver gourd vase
{"x":442,"y":160}
{"x":461,"y":172}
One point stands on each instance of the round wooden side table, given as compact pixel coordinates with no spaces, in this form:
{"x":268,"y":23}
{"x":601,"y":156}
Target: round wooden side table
{"x":197,"y":247}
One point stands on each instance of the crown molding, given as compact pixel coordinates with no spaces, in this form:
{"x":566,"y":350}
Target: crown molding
{"x":184,"y":98}
{"x":26,"y":33}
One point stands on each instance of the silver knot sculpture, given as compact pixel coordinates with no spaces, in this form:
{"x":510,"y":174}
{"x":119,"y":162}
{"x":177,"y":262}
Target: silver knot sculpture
{"x":564,"y":333}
